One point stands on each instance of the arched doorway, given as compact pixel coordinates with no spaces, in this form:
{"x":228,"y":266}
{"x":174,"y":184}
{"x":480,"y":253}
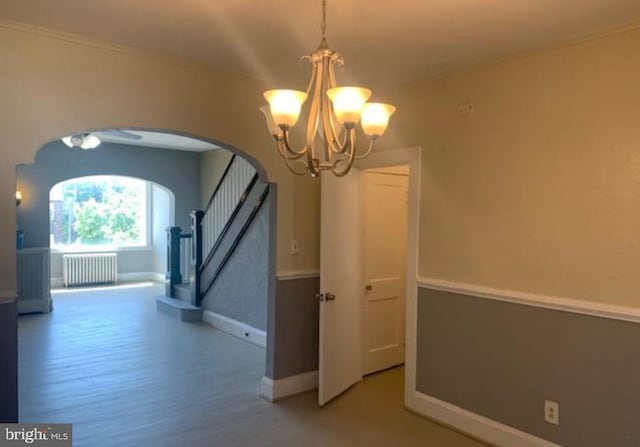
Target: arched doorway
{"x":179,"y":171}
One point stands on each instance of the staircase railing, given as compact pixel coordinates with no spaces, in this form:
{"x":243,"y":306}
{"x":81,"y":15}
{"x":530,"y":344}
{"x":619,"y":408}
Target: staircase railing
{"x":216,"y":231}
{"x":221,"y":259}
{"x":230,"y":190}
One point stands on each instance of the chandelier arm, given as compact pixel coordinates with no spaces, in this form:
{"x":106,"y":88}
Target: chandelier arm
{"x":333,"y":142}
{"x":337,"y":146}
{"x":293,"y":170}
{"x":323,"y":98}
{"x":285,"y":150}
{"x":314,"y":110}
{"x":372,"y":142}
{"x":312,"y":163}
{"x":351,"y":156}
{"x":314,"y":74}
{"x":279,"y":146}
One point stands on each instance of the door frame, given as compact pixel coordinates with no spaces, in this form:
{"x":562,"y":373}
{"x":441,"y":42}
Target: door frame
{"x":411,"y":156}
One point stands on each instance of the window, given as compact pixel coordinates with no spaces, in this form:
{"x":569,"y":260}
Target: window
{"x":99,"y":212}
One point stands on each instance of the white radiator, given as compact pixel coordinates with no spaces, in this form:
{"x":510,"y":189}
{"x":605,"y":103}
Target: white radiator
{"x":89,"y":268}
{"x":33,"y":280}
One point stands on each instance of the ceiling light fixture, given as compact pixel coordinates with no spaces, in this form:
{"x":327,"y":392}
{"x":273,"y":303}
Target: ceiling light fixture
{"x":82,"y":141}
{"x":330,"y":105}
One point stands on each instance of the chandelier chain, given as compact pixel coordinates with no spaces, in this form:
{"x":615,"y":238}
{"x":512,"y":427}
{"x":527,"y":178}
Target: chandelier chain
{"x":323,"y":23}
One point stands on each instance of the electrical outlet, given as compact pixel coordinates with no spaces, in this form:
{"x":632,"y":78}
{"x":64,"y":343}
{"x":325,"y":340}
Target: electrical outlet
{"x":295,"y":247}
{"x":552,"y":412}
{"x":466,"y":109}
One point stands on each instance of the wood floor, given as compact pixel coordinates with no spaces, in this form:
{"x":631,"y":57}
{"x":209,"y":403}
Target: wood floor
{"x":125,"y":375}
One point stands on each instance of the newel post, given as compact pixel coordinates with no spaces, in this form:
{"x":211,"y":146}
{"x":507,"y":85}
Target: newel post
{"x":196,"y":255}
{"x":173,"y":260}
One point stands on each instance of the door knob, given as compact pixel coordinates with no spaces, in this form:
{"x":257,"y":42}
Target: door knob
{"x":320,"y":296}
{"x":368,"y":287}
{"x":329,"y":297}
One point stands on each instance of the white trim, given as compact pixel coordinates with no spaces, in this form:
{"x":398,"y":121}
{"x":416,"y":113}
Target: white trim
{"x":7,"y":298}
{"x":80,"y":250}
{"x":127,"y":51}
{"x":473,"y":424}
{"x":273,"y":390}
{"x":603,"y":310}
{"x":33,"y":250}
{"x":140,"y":276}
{"x":58,"y":282}
{"x":298,"y":274}
{"x":158,"y":277}
{"x":235,"y":328}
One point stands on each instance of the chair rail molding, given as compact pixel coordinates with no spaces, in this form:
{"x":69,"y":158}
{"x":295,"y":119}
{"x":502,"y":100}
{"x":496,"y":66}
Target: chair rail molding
{"x":286,"y":275}
{"x":7,"y":297}
{"x":603,"y":310}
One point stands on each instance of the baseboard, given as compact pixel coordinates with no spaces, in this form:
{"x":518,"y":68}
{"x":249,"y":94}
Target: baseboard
{"x":31,"y":306}
{"x":140,"y":276}
{"x":273,"y":390}
{"x":298,"y":274}
{"x":58,"y":282}
{"x":158,"y":277}
{"x":235,"y":328}
{"x":472,"y":424}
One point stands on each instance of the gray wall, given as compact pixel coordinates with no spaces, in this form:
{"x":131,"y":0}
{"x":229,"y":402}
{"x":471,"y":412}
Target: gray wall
{"x":292,"y":345}
{"x":502,"y":361}
{"x":241,"y":292}
{"x":9,"y":363}
{"x":178,"y":171}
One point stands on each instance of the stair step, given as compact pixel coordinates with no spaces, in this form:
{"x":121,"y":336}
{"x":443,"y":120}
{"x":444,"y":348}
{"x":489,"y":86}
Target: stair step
{"x":179,"y":309}
{"x":183,"y":292}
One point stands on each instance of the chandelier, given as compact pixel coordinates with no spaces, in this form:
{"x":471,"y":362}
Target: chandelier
{"x":333,"y":116}
{"x":82,"y":141}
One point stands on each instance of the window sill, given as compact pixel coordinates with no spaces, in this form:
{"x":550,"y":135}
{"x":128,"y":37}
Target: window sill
{"x":70,"y":250}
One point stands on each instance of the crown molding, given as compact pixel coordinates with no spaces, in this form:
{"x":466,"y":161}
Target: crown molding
{"x":631,"y":26}
{"x":122,"y":49}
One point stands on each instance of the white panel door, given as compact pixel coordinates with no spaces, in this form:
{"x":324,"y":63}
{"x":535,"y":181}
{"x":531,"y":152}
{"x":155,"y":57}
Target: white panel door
{"x":340,"y":364}
{"x":384,"y":254}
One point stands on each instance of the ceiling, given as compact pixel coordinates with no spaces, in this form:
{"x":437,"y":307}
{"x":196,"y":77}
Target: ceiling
{"x":383,"y":42}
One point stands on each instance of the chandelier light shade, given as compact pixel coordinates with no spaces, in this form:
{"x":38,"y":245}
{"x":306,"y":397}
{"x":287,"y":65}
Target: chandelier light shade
{"x":334,"y":113}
